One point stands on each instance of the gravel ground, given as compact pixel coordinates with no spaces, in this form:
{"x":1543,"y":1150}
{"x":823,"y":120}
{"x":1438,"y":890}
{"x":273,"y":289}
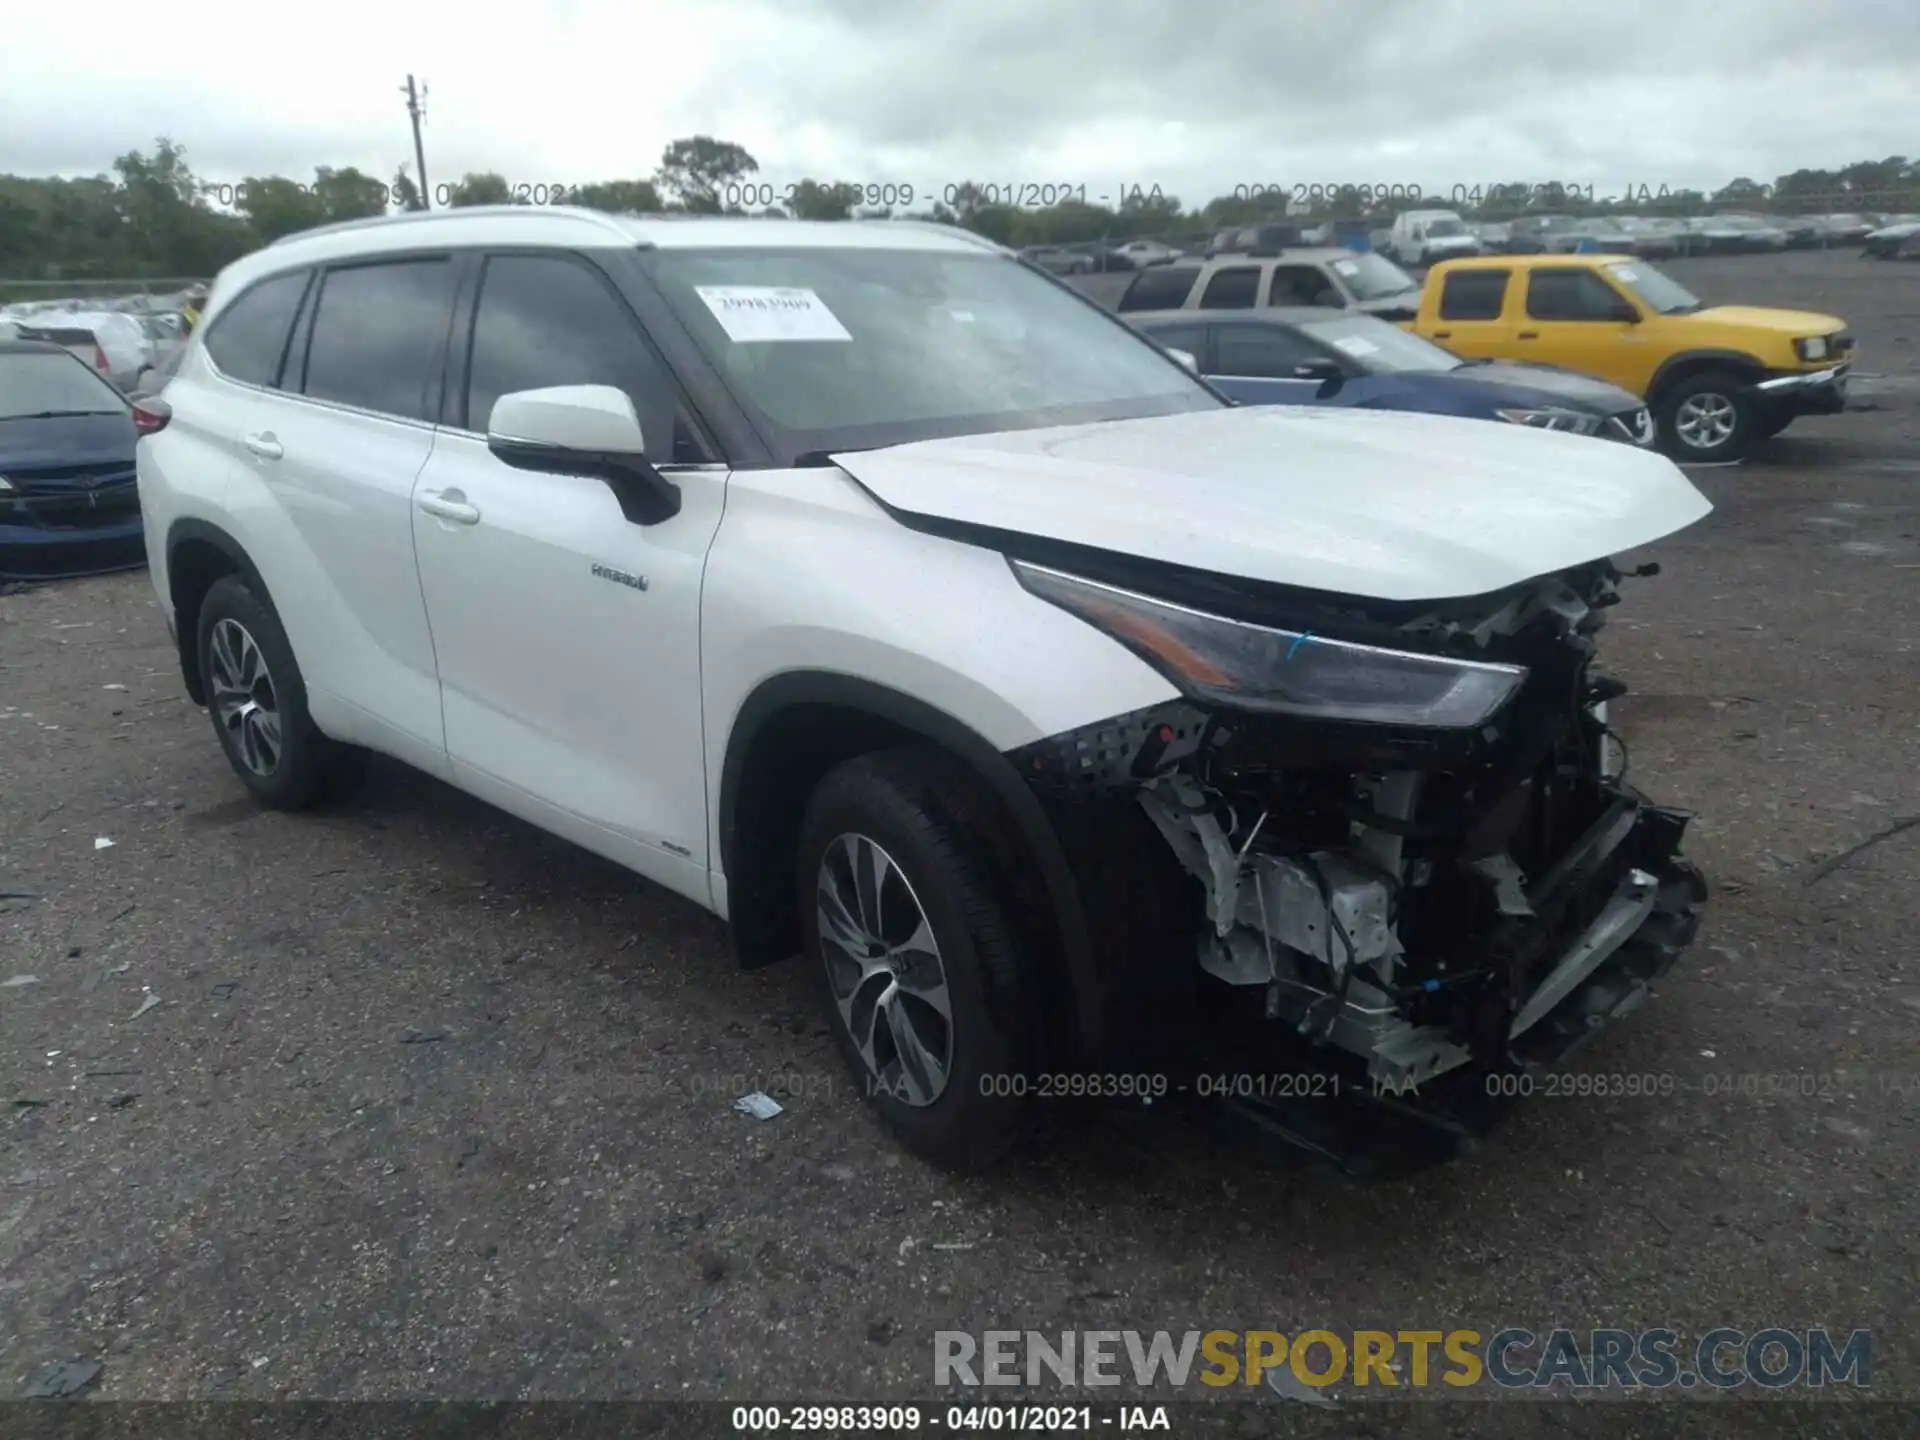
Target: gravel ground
{"x":405,"y":1099}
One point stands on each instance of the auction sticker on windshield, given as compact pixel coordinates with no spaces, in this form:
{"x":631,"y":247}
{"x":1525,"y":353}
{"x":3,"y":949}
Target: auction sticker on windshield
{"x":1346,"y":267}
{"x":750,"y":313}
{"x":1355,"y":345}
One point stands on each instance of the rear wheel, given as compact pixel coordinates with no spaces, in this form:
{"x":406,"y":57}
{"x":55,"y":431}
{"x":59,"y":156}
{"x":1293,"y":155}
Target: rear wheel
{"x":925,"y":977}
{"x":1707,"y":419}
{"x":258,"y":701}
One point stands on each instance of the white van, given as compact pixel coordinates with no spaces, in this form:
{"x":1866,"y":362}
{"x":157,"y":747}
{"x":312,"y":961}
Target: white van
{"x":1421,"y":237}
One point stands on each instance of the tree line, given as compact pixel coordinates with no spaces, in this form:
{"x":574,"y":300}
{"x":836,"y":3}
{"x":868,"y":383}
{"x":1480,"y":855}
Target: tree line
{"x":153,"y":217}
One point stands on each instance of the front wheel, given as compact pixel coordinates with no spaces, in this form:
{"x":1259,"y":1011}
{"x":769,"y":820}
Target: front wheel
{"x":924,"y":975}
{"x":1707,"y":419}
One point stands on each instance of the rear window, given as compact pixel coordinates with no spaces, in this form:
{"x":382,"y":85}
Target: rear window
{"x":1473,"y":295}
{"x":1165,"y":287}
{"x":248,"y":339}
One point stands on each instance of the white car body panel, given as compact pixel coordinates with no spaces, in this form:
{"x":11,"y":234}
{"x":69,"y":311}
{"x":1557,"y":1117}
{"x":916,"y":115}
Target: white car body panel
{"x":335,"y":536}
{"x":572,"y":697}
{"x":1322,"y":499}
{"x":807,"y":573}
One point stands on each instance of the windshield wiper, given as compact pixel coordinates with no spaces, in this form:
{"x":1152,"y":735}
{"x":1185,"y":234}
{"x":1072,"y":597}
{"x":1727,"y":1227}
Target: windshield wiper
{"x":57,"y":414}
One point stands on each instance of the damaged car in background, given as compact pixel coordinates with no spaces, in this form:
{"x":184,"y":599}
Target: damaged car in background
{"x":1086,"y":734}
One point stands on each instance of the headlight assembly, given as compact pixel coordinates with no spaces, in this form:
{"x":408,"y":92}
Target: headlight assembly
{"x":1551,"y":417}
{"x":1814,"y":348}
{"x":1282,"y":672}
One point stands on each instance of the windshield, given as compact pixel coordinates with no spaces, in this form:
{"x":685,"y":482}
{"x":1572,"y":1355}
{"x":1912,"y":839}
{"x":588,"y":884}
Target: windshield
{"x":845,"y":348}
{"x":1445,"y":227}
{"x":1380,"y":348}
{"x":47,"y":383}
{"x":1372,"y":277}
{"x":1659,"y":292}
{"x":1741,"y":222}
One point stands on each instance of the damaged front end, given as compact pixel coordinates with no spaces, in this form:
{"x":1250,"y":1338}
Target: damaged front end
{"x":1419,"y":864}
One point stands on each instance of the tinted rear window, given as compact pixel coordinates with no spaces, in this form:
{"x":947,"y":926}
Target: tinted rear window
{"x":248,"y":338}
{"x":380,"y":336}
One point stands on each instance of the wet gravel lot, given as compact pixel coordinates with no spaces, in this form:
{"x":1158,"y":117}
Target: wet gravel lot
{"x":404,"y":1099}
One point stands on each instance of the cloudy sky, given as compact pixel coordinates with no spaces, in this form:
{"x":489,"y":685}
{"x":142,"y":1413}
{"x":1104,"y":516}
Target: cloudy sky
{"x":1196,"y":97}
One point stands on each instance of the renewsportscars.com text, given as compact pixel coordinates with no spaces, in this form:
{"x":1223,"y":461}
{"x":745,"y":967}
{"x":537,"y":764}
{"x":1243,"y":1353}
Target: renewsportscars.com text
{"x":1511,"y":1358}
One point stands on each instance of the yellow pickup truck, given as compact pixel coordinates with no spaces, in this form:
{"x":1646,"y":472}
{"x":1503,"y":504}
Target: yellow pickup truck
{"x":1718,"y":379}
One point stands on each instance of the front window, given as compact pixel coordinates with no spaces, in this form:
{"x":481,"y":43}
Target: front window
{"x":847,"y":349}
{"x":1372,"y":277}
{"x":44,"y":384}
{"x":1655,"y":290}
{"x":1380,"y":348}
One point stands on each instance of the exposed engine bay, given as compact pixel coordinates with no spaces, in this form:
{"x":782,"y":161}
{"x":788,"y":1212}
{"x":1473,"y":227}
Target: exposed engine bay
{"x":1411,"y":901}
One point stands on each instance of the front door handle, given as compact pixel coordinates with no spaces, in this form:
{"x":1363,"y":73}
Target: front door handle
{"x":264,"y":444}
{"x":449,"y":505}
{"x":1443,"y":334}
{"x":1528,"y":335}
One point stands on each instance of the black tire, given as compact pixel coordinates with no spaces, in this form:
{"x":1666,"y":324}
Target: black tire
{"x":1707,"y":388}
{"x":306,"y":764}
{"x":909,"y":803}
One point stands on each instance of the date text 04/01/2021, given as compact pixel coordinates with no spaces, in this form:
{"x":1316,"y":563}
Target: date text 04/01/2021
{"x":959,"y":195}
{"x":897,"y":1419}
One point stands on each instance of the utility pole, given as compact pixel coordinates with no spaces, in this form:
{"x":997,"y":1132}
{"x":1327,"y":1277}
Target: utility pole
{"x":416,"y":111}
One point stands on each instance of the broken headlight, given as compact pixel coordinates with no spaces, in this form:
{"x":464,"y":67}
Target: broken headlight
{"x":1282,"y":672}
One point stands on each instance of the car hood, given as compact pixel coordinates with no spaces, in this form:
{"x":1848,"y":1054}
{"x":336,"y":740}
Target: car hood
{"x":1378,"y":504}
{"x":1784,"y":322}
{"x":1568,"y":387}
{"x":64,"y":444}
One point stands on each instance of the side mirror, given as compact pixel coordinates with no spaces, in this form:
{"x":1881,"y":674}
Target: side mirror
{"x":1626,"y":314}
{"x":583,"y":430}
{"x":1186,"y":358}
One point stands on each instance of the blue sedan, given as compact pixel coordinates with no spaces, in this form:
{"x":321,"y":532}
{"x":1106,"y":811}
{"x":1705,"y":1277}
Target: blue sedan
{"x":68,"y":503}
{"x":1290,"y":355}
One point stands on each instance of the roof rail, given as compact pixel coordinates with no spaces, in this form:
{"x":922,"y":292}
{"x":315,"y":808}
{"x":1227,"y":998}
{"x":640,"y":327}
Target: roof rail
{"x":420,"y":217}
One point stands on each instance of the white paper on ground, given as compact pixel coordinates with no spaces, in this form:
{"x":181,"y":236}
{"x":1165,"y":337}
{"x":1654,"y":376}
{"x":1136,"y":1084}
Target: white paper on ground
{"x":750,"y":313}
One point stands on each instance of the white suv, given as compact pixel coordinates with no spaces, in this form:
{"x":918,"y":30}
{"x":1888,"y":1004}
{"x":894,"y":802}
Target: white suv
{"x":879,"y":593}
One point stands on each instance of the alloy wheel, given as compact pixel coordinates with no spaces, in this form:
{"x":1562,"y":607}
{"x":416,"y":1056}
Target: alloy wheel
{"x":243,"y":697}
{"x":884,"y":970}
{"x":1705,"y":421}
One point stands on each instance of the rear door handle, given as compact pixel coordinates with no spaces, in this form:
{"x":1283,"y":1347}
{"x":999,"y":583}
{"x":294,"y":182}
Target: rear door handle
{"x":449,"y":505}
{"x":1443,"y":334}
{"x":1529,"y":335}
{"x":263,"y":444}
